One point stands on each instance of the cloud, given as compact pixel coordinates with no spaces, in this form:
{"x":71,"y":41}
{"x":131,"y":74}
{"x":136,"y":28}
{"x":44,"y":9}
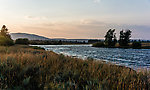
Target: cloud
{"x":75,"y":29}
{"x":96,"y":1}
{"x":85,"y":28}
{"x":36,"y":17}
{"x":92,"y":22}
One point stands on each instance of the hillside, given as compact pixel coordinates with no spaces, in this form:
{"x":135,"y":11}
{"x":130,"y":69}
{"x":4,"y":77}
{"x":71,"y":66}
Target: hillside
{"x":29,"y":36}
{"x":37,"y":37}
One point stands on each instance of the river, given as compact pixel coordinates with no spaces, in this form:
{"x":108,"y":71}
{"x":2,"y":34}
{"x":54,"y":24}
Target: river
{"x":133,"y":58}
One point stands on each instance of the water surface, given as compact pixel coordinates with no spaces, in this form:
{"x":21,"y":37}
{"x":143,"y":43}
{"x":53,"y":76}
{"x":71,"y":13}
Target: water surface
{"x":134,"y":58}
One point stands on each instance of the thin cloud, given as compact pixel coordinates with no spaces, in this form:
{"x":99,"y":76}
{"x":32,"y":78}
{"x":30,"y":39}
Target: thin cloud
{"x":35,"y":17}
{"x":85,"y":28}
{"x":97,"y":1}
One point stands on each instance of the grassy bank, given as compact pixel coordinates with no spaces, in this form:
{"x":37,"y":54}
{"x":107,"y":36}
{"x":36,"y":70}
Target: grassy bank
{"x":143,"y":46}
{"x":24,"y":67}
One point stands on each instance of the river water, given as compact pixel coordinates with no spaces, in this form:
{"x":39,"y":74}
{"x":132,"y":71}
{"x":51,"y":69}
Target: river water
{"x":133,"y":58}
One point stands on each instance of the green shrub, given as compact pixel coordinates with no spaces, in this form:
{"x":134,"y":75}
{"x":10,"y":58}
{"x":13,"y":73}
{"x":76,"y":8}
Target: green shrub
{"x":23,"y":41}
{"x":36,"y":47}
{"x":5,"y":38}
{"x":136,"y":45}
{"x":99,"y":44}
{"x":6,"y":41}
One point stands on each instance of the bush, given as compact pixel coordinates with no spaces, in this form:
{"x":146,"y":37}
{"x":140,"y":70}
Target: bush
{"x":99,"y":44}
{"x":5,"y":38}
{"x":35,"y":47}
{"x":23,"y":41}
{"x":6,"y":41}
{"x":136,"y":45}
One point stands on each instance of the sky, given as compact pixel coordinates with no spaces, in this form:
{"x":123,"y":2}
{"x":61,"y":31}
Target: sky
{"x":76,"y":19}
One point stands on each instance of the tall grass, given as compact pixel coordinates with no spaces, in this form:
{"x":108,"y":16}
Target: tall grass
{"x":22,"y":67}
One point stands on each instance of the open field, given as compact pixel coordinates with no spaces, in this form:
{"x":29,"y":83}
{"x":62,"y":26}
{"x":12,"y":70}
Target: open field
{"x":24,"y":67}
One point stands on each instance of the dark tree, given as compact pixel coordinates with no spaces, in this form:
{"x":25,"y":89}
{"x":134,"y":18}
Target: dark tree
{"x":110,"y":38}
{"x":5,"y":38}
{"x":136,"y":44}
{"x":125,"y":37}
{"x":4,"y":32}
{"x":114,"y":40}
{"x":24,"y":41}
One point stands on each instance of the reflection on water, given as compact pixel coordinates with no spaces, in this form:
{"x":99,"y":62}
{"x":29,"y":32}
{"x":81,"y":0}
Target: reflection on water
{"x":134,"y":58}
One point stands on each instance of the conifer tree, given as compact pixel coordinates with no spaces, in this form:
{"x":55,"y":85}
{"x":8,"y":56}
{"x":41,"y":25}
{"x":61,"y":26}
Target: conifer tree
{"x":125,"y":36}
{"x":5,"y":38}
{"x":110,"y":38}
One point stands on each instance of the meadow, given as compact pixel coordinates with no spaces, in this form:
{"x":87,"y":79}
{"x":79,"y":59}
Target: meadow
{"x":24,"y":68}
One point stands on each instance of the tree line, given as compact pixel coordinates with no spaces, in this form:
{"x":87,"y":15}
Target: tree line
{"x":123,"y":41}
{"x":111,"y":39}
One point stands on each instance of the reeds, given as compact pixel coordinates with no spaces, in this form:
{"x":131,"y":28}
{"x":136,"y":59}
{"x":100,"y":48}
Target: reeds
{"x":22,"y":67}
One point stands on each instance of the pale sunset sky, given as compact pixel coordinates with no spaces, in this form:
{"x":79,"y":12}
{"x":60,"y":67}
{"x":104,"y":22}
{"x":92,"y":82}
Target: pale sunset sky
{"x":78,"y":19}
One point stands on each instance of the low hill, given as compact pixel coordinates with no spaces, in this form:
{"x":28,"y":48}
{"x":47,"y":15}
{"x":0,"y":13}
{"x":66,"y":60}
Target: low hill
{"x":29,"y":36}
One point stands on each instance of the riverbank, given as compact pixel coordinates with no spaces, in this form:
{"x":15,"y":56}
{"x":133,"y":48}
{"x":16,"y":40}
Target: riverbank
{"x":24,"y":67}
{"x":130,"y":46}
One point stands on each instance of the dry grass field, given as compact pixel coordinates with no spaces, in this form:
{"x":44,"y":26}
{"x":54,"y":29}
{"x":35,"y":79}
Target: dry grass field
{"x":25,"y":68}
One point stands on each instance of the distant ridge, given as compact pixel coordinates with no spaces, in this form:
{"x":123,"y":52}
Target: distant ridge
{"x":38,"y":37}
{"x":29,"y":36}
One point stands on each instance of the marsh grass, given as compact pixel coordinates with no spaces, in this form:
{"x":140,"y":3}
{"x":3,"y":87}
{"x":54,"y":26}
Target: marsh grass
{"x":24,"y":67}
